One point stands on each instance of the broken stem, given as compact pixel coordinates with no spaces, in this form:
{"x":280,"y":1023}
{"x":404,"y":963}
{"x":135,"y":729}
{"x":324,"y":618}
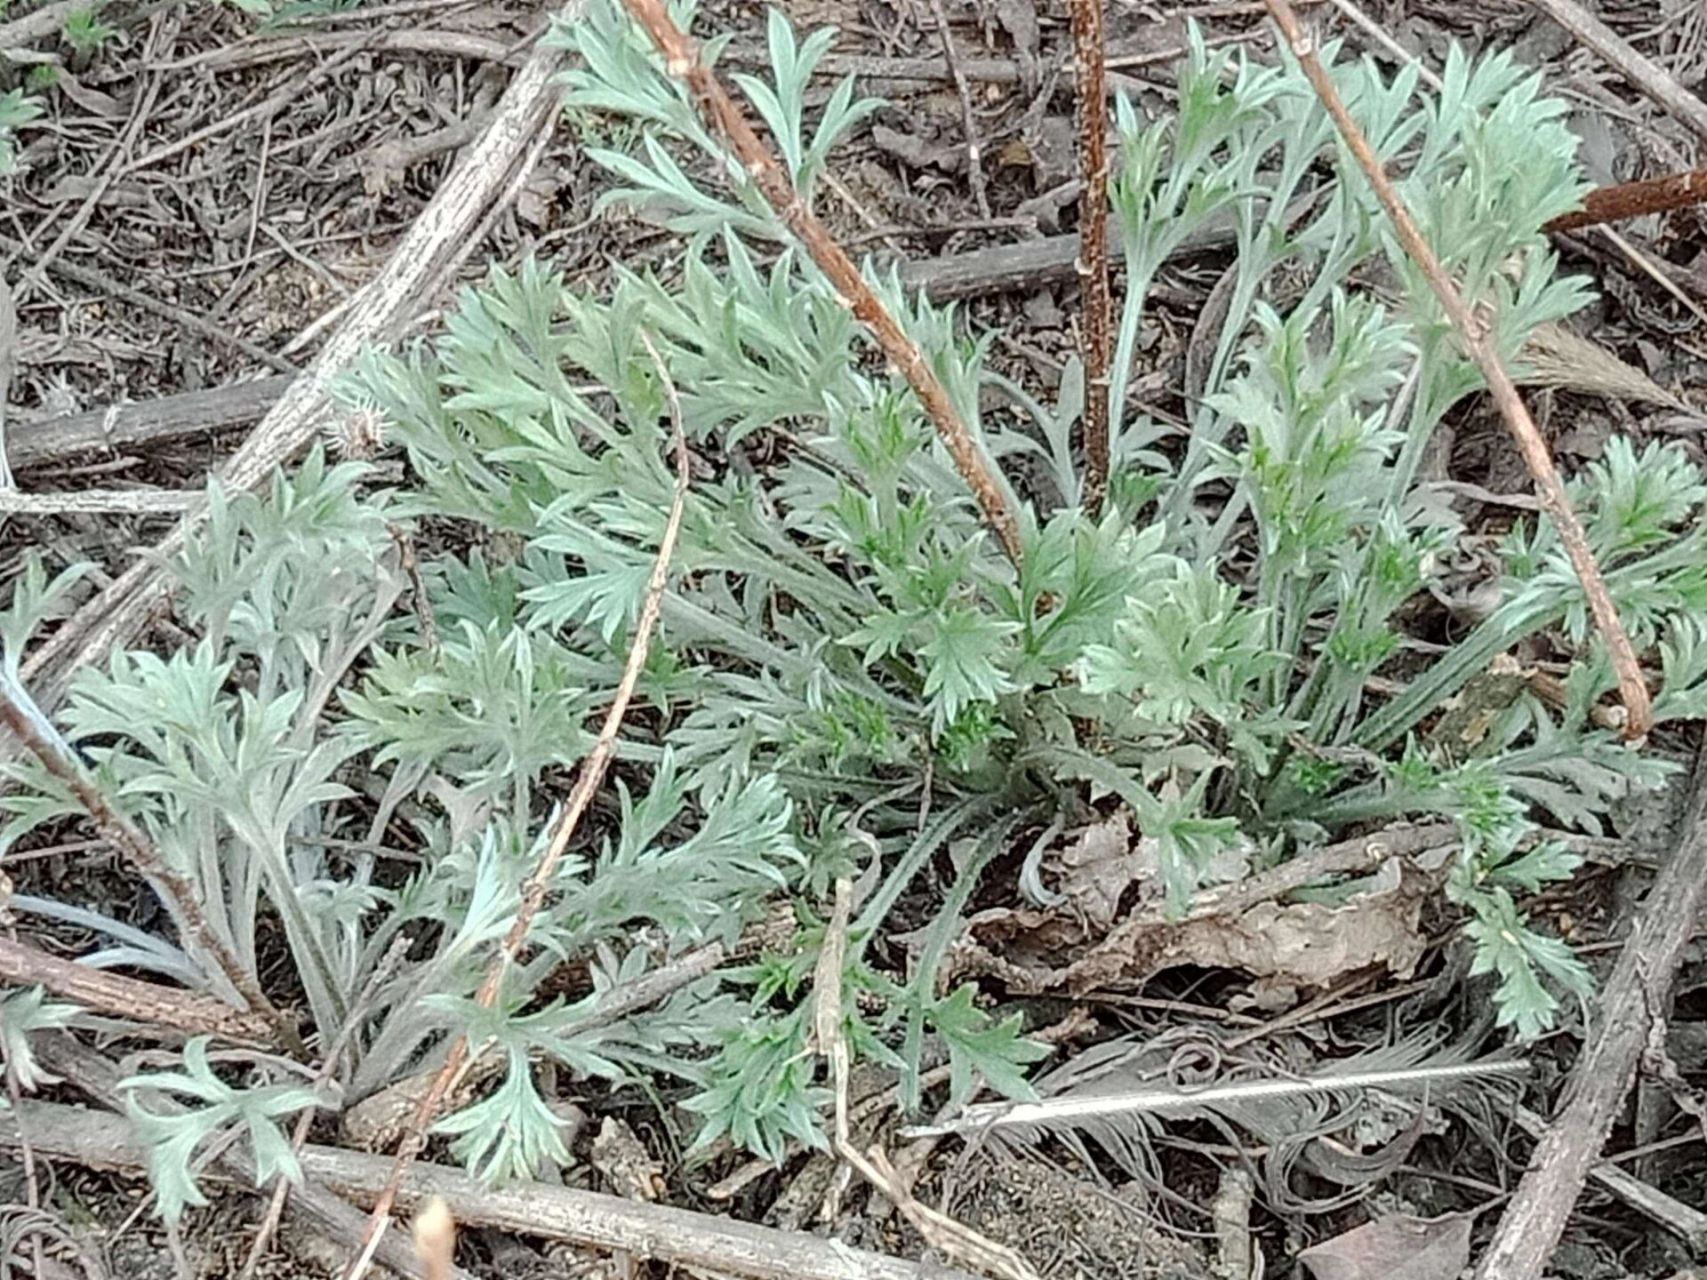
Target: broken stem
{"x":1475,"y":336}
{"x":1092,"y":262}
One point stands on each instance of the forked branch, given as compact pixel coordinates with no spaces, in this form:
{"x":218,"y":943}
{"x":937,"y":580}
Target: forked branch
{"x":1092,"y":263}
{"x":726,"y":119}
{"x":1474,"y":334}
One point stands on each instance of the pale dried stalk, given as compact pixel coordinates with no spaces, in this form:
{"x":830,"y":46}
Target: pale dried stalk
{"x":726,"y":119}
{"x":968,"y":120}
{"x":941,"y":1232}
{"x":539,"y":883}
{"x":1092,"y":262}
{"x":1474,"y":334}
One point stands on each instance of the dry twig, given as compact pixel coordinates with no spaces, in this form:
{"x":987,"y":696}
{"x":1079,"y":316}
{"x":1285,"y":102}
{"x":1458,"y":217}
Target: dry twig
{"x":728,"y":121}
{"x":1092,"y":263}
{"x":1642,"y":71}
{"x":1634,"y":997}
{"x":23,"y":965}
{"x":539,"y":883}
{"x":1473,"y":332}
{"x":1636,"y":200}
{"x":968,"y":121}
{"x":692,"y":1242}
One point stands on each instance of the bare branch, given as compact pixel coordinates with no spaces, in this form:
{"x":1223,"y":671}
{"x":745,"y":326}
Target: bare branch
{"x":23,"y":965}
{"x":968,"y":121}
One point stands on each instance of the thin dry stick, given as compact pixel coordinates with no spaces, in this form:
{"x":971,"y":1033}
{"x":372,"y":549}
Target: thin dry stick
{"x":1092,"y":263}
{"x":1474,"y":334}
{"x":438,"y":241}
{"x":539,"y":884}
{"x":724,"y":117}
{"x":1636,"y":200}
{"x":968,"y":121}
{"x":328,"y":1068}
{"x":943,"y":1233}
{"x":25,"y":965}
{"x":19,"y":714}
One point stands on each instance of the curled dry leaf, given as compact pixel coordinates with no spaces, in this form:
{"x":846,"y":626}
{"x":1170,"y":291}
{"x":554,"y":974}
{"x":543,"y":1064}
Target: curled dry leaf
{"x":1394,"y":1247}
{"x":1281,"y":945}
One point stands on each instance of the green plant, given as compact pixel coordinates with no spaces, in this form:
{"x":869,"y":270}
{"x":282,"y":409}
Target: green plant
{"x":17,"y":109}
{"x":85,"y":32}
{"x":841,"y":633}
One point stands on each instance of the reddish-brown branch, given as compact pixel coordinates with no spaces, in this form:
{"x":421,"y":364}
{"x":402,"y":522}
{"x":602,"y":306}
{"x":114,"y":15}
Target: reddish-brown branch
{"x":140,"y":852}
{"x":1092,"y":264}
{"x":1474,"y":334}
{"x":1635,"y":200}
{"x":728,"y":121}
{"x":539,"y":883}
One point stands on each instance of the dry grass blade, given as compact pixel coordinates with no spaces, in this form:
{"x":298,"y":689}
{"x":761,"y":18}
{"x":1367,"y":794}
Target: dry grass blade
{"x":1077,"y":1108}
{"x":1473,"y":333}
{"x":580,"y":799}
{"x":1092,"y":264}
{"x":1556,"y":357}
{"x":725,"y":119}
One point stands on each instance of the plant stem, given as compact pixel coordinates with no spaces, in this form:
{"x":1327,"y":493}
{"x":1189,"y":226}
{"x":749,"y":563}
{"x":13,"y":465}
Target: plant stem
{"x":726,"y":119}
{"x":1092,"y":263}
{"x":1474,"y":332}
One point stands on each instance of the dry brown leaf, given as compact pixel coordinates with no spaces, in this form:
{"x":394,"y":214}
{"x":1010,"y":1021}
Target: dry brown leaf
{"x":1300,"y":944}
{"x":1097,"y":868}
{"x":1394,"y":1247}
{"x":1308,"y":944}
